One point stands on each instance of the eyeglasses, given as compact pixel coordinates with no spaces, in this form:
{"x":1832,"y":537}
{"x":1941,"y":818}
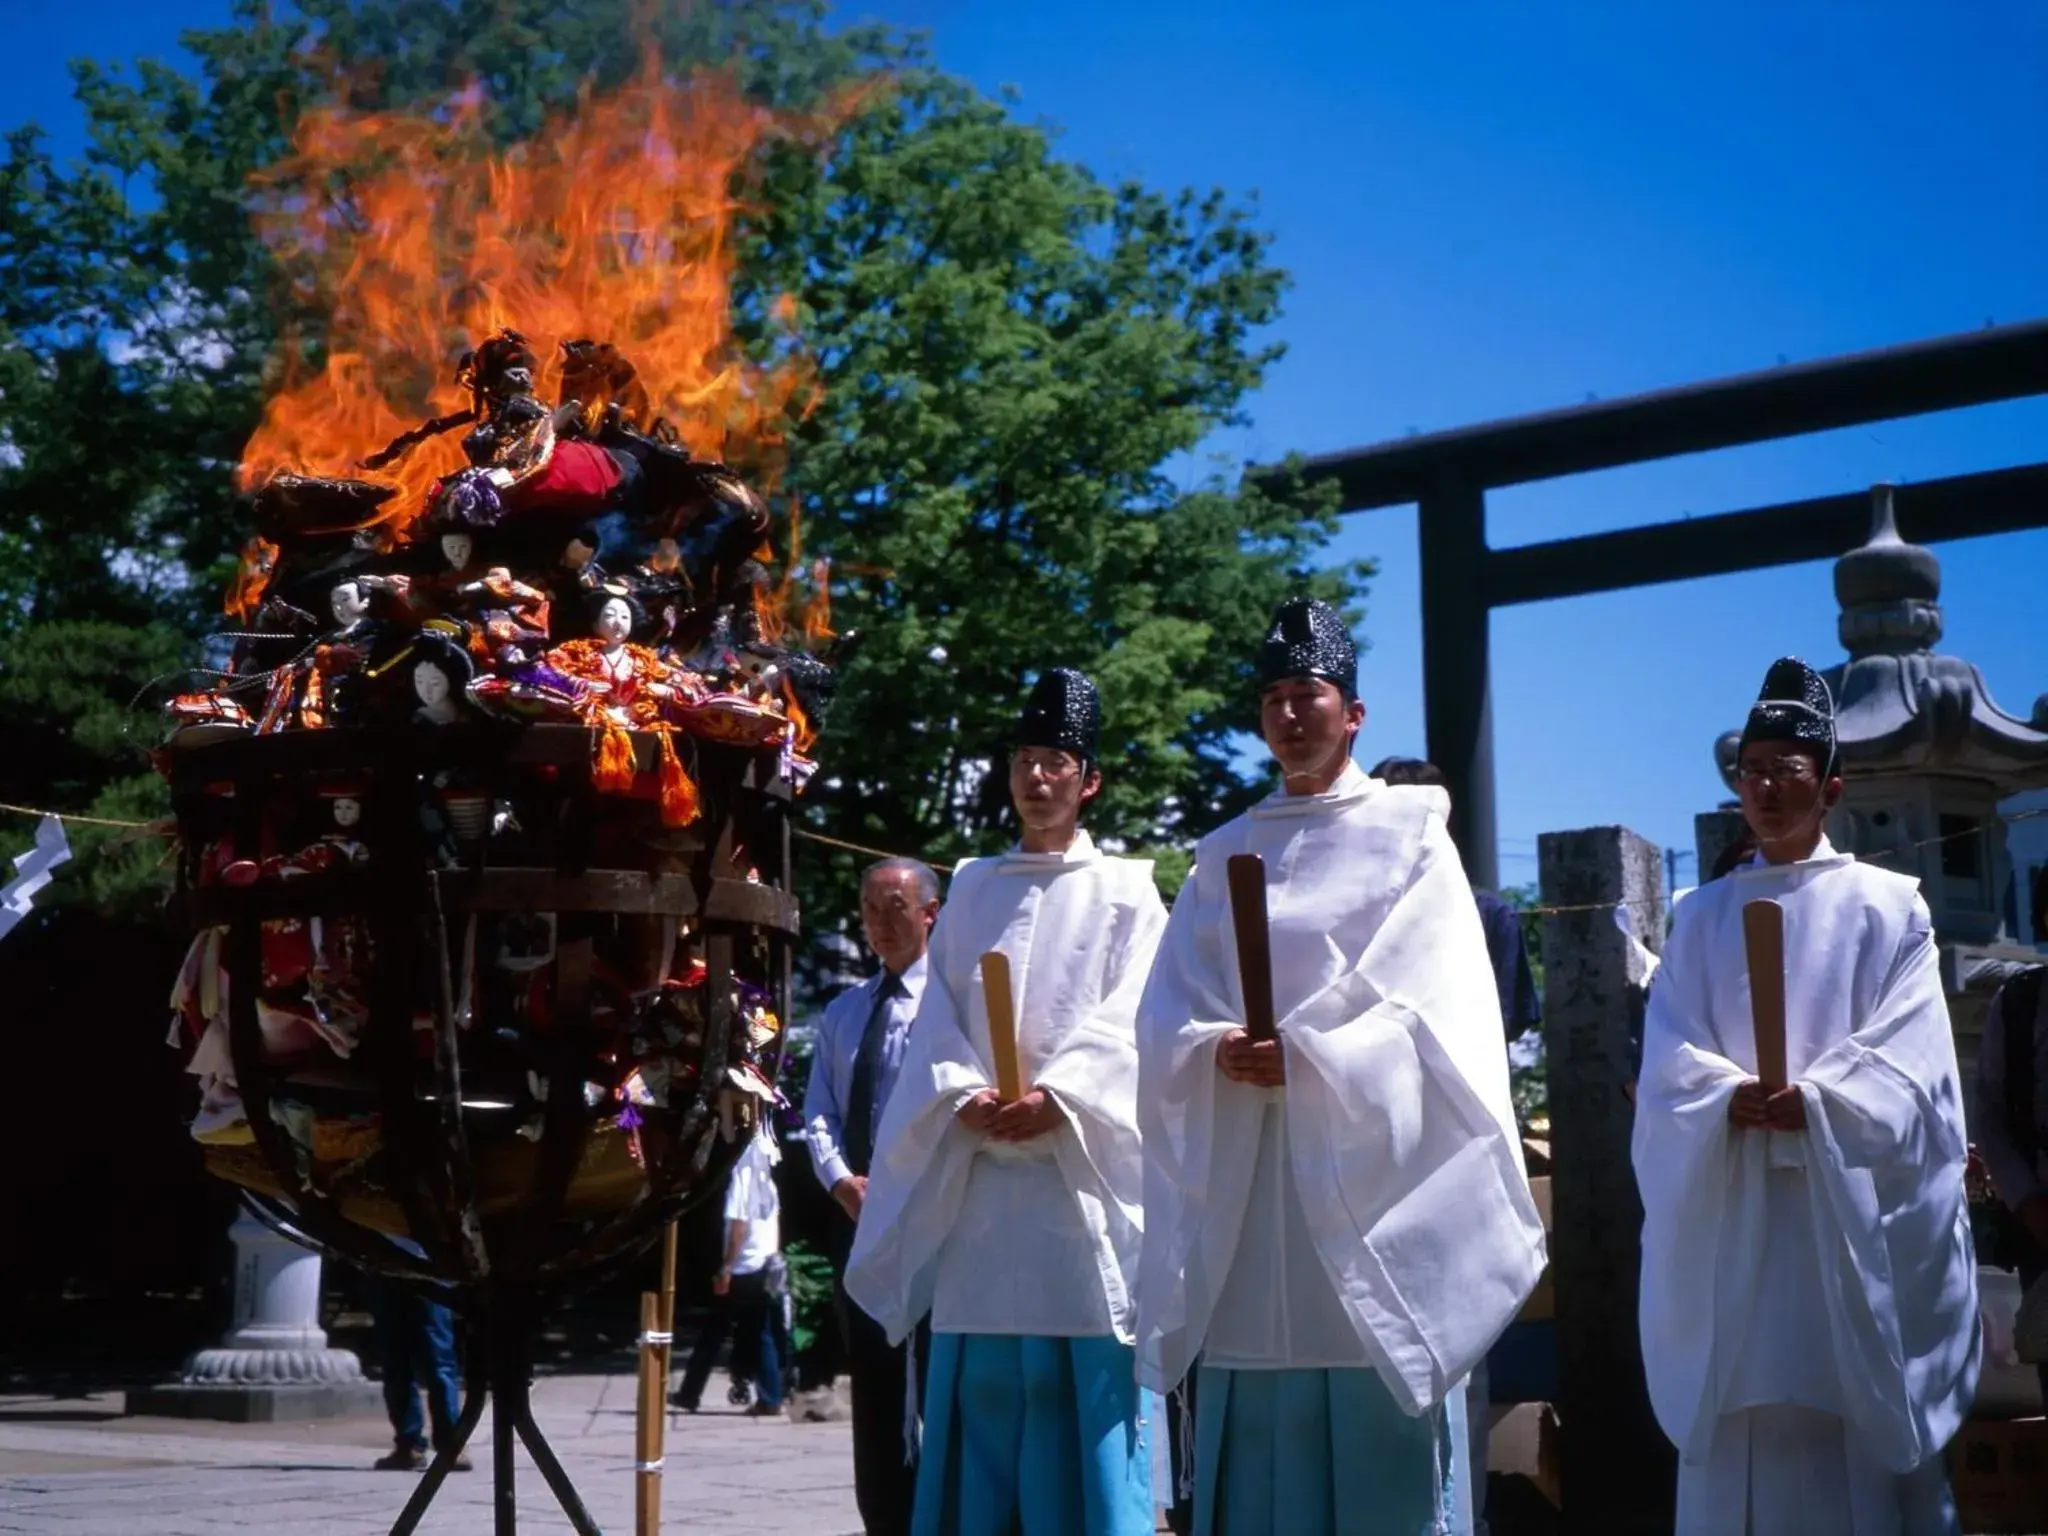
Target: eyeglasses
{"x":1778,"y":770}
{"x":1049,"y":762}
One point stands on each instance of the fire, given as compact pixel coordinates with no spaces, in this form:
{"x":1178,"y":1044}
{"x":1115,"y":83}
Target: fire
{"x":417,"y":240}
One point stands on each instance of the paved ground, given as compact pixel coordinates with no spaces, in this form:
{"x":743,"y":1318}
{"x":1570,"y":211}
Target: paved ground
{"x":76,"y":1467}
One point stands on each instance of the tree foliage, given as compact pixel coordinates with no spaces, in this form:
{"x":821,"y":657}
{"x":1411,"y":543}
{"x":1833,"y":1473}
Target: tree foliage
{"x":1018,"y":363}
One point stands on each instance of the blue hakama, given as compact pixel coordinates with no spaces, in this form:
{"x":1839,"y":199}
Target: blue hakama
{"x":1032,"y":1435}
{"x":1287,"y":1452}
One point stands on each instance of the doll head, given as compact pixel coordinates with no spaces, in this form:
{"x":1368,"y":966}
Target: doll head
{"x":349,"y":603}
{"x":614,"y":615}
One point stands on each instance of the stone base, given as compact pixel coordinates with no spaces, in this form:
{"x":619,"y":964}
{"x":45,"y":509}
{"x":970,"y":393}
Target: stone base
{"x":253,"y":1403}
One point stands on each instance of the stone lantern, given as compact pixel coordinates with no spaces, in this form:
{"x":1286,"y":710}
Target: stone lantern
{"x":1926,"y":756}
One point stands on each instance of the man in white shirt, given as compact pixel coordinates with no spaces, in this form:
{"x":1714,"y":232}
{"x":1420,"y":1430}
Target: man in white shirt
{"x":1015,"y":1226}
{"x":1809,"y":1296}
{"x":753,"y":1247}
{"x":859,"y":1052}
{"x":1336,"y":1220}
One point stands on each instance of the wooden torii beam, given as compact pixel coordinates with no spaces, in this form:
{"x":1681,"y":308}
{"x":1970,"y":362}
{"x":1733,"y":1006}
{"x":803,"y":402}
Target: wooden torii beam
{"x":1447,"y":475}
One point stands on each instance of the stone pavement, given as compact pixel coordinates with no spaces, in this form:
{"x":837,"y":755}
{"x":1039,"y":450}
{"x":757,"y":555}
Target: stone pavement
{"x":75,"y":1467}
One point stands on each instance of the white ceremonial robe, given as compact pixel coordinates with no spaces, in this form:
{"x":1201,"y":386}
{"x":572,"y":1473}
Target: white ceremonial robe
{"x":1809,"y":1299}
{"x":1374,"y":1212}
{"x":1037,"y":1237}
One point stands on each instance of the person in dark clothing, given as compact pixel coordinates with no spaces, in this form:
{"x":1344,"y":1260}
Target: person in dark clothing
{"x":416,"y":1346}
{"x":861,"y":1039}
{"x":1520,"y":1012}
{"x":2009,"y":1112}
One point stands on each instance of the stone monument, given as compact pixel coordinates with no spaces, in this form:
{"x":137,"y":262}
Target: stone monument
{"x":274,"y":1363}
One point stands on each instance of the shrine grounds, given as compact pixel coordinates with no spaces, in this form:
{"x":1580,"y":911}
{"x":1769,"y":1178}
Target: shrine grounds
{"x":74,"y":1466}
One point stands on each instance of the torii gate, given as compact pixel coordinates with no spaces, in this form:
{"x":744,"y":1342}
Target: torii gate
{"x":1447,"y":475}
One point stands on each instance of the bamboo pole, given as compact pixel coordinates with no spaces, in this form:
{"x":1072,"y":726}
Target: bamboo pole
{"x":648,"y":1425}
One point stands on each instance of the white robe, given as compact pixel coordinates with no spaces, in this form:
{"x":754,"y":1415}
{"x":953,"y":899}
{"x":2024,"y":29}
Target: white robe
{"x":1828,"y":1271}
{"x":1410,"y":1239}
{"x":1037,"y":1237}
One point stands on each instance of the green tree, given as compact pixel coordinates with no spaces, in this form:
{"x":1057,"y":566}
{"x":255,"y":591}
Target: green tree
{"x":1017,"y":361}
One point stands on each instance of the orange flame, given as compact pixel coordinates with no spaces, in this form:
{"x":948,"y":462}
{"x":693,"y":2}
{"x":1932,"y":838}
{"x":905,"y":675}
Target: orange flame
{"x":417,"y":241}
{"x":259,"y":559}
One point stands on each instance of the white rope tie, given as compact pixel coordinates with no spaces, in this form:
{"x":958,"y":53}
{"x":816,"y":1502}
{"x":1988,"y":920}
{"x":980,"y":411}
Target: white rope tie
{"x":650,"y":1466}
{"x":657,"y":1339}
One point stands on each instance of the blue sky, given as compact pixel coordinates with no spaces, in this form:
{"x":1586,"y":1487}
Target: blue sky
{"x":1497,"y":208}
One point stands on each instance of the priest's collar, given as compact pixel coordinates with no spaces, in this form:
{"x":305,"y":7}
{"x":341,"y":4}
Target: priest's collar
{"x":1352,"y":786}
{"x":1824,"y":852}
{"x":1080,"y":851}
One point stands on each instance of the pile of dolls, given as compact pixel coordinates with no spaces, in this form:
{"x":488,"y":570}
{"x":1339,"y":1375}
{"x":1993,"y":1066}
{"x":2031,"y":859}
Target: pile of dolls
{"x":579,"y":571}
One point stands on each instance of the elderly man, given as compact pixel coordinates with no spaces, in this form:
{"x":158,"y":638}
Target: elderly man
{"x":860,"y":1046}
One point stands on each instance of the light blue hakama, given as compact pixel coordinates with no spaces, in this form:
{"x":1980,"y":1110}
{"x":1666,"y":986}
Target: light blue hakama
{"x":1287,"y":1452}
{"x":1032,"y":1435}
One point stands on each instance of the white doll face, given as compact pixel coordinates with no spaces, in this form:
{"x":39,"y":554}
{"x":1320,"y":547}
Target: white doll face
{"x":430,"y":683}
{"x":348,"y":604}
{"x":456,"y":548}
{"x":614,"y":621}
{"x":347,"y":812}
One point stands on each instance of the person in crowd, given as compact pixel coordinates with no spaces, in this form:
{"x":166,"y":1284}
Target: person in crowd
{"x":2009,"y":1112}
{"x":860,"y":1045}
{"x":1809,"y":1297}
{"x":1013,"y":1221}
{"x":416,"y":1347}
{"x":743,"y":1288}
{"x":1337,"y":1219}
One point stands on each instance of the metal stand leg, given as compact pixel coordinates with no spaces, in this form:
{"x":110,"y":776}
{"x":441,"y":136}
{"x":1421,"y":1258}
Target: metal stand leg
{"x":502,"y":1380}
{"x":551,"y":1471}
{"x":444,"y":1460}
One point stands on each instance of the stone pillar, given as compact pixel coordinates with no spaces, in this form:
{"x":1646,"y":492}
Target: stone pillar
{"x":1619,"y":1471}
{"x":1713,"y":834}
{"x":274,"y":1363}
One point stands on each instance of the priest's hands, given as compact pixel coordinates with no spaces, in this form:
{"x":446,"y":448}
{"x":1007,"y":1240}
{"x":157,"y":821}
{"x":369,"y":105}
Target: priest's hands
{"x":979,"y":1112}
{"x":1754,"y":1107}
{"x":1036,"y":1113}
{"x":1031,"y":1116}
{"x":1257,"y":1063}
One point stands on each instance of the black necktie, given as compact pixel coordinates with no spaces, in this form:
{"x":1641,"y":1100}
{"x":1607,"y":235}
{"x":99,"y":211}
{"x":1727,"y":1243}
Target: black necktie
{"x":867,"y":1065}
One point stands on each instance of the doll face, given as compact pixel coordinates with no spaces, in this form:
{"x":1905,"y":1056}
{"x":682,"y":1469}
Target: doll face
{"x":348,"y":603}
{"x":347,"y":811}
{"x":614,"y":621}
{"x":431,"y":684}
{"x":456,"y":548}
